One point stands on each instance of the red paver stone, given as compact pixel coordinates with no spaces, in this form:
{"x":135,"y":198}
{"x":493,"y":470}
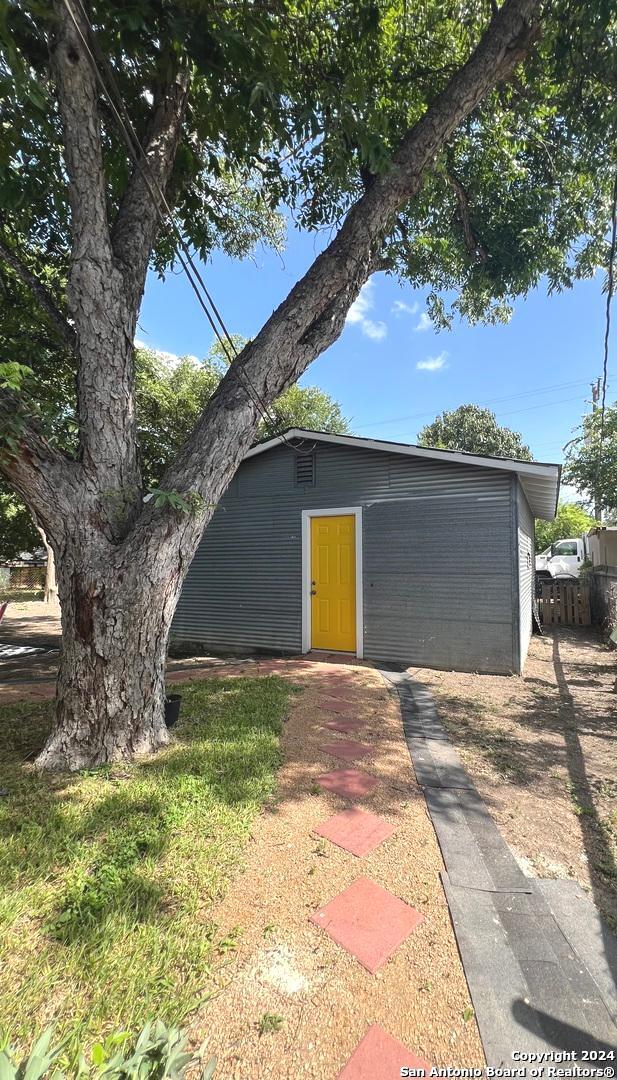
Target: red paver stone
{"x":356,"y":831}
{"x":346,"y":749}
{"x":380,"y":1057}
{"x":350,"y":783}
{"x":344,"y":725}
{"x":368,"y":921}
{"x":340,"y":705}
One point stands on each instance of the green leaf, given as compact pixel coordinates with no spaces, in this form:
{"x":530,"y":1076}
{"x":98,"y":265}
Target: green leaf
{"x":7,"y":1070}
{"x":98,"y":1054}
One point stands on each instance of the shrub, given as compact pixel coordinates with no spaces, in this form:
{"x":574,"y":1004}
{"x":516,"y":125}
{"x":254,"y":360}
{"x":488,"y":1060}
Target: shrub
{"x":158,"y":1053}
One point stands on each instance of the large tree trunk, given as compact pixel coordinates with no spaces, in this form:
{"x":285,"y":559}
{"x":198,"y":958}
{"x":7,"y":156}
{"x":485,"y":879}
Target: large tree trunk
{"x":121,"y":563}
{"x":116,"y":615}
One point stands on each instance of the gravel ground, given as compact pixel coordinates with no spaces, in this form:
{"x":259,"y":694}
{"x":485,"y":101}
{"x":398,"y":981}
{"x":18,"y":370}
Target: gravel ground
{"x":541,"y":749}
{"x":284,"y":967}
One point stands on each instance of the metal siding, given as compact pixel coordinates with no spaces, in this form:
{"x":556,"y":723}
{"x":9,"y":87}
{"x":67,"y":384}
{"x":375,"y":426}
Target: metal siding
{"x":438,"y":591}
{"x":438,"y":550}
{"x":526,"y":570}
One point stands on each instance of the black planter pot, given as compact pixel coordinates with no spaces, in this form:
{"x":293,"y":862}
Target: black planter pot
{"x":172,"y":709}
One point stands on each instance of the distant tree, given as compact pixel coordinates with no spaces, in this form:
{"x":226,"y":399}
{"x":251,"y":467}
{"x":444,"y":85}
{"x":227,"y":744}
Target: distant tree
{"x":476,"y":431}
{"x":591,"y":461}
{"x":17,"y":529}
{"x":570,"y":520}
{"x":171,"y":396}
{"x":168,"y":399}
{"x":307,"y":407}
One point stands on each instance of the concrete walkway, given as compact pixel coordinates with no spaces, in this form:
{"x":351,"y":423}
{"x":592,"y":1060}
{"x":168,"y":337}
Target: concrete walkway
{"x":540,"y":962}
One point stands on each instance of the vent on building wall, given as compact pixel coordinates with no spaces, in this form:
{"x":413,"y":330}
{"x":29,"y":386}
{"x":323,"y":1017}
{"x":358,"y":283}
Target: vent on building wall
{"x":305,"y":468}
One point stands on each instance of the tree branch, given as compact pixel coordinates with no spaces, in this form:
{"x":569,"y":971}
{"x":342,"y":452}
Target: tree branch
{"x":43,"y":297}
{"x":103,"y":315}
{"x":474,"y":246}
{"x":42,"y":475}
{"x":137,"y":222}
{"x":77,"y":101}
{"x":313,"y":315}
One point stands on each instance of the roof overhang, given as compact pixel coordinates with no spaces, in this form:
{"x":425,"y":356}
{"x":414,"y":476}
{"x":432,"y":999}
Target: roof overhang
{"x":539,"y":480}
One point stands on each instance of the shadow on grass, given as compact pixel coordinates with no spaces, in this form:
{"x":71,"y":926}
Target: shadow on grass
{"x":103,"y":833}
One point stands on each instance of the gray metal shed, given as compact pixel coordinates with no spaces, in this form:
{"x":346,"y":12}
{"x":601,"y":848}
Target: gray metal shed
{"x":389,"y":551}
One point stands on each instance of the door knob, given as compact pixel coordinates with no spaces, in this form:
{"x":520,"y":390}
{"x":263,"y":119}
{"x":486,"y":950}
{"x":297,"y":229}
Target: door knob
{"x":313,"y":592}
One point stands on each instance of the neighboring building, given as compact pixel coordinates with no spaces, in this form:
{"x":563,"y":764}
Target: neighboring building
{"x":25,"y":571}
{"x":392,"y":552}
{"x":602,"y":545}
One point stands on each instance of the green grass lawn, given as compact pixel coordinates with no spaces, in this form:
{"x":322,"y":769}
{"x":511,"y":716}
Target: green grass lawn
{"x":107,"y":878}
{"x":19,"y":596}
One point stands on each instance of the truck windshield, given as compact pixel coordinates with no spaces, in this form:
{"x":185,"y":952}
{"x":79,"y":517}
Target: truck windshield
{"x":565,"y":547}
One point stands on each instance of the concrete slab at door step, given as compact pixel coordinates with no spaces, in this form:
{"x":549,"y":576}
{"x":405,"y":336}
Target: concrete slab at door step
{"x":345,"y":726}
{"x":380,"y":1057}
{"x":356,"y":831}
{"x":350,"y":783}
{"x":368,"y":921}
{"x":346,"y":749}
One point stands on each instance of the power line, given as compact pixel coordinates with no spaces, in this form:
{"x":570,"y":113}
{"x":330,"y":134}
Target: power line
{"x":493,"y":401}
{"x":607,"y":331}
{"x":140,"y":160}
{"x":542,"y":405}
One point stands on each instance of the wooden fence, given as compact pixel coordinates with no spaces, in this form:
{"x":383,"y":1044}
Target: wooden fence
{"x":564,"y":603}
{"x":603,"y":581}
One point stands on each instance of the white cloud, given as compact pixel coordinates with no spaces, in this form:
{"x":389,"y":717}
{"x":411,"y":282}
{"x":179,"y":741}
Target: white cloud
{"x":358,"y":314}
{"x":171,"y":359}
{"x":424,"y":323}
{"x":399,"y":307}
{"x":374,"y":330}
{"x":433,"y":363}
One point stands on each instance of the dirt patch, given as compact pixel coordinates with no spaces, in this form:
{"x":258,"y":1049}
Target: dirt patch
{"x":291,"y":1002}
{"x":541,"y":749}
{"x":30,"y":620}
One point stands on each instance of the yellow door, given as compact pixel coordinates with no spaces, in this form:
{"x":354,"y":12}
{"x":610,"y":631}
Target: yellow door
{"x":333,"y":583}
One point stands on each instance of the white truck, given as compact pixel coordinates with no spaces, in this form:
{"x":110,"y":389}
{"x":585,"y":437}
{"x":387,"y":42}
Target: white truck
{"x":563,"y":559}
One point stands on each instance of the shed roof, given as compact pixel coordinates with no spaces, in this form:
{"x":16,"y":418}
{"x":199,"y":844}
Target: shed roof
{"x":539,"y":480}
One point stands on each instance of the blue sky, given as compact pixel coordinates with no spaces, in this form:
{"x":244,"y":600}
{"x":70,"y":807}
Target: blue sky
{"x":391,"y":372}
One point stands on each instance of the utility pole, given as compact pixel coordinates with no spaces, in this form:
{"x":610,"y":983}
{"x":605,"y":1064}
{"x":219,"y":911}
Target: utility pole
{"x":595,"y":400}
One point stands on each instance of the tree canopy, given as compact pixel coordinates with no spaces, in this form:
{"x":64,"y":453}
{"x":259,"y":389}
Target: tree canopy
{"x":476,"y":431}
{"x":570,"y":520}
{"x":591,"y":460}
{"x":305,"y":104}
{"x":170,"y":395}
